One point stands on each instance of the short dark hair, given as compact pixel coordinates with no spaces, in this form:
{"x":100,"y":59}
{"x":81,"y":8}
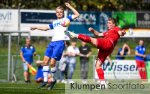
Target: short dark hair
{"x":113,"y":20}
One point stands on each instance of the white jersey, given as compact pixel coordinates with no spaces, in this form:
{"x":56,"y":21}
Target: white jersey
{"x":73,"y":50}
{"x":59,"y":30}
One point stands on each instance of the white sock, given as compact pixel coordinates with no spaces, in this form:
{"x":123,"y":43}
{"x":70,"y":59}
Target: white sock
{"x":53,"y":70}
{"x":45,"y":73}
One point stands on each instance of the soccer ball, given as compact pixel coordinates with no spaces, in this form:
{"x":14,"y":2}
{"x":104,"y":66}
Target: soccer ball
{"x":65,"y":22}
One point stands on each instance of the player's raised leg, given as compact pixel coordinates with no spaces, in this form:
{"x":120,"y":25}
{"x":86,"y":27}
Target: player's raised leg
{"x":84,"y":38}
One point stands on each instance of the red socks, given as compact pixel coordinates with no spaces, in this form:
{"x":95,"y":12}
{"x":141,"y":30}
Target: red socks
{"x":84,"y":38}
{"x":100,"y":73}
{"x":142,"y":74}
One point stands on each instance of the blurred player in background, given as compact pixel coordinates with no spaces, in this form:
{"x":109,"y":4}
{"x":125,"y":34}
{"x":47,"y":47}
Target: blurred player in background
{"x":140,"y":57}
{"x":85,"y":52}
{"x":39,"y":75}
{"x":26,"y":53}
{"x":122,"y":52}
{"x":105,"y":44}
{"x":55,"y":48}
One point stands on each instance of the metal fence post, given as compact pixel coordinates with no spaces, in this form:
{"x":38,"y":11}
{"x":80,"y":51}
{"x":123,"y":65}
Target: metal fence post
{"x":9,"y":55}
{"x":12,"y":67}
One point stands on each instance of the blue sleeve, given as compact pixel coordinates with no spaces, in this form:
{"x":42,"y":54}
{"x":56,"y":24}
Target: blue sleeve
{"x":70,"y":17}
{"x":51,"y":26}
{"x":120,"y":49}
{"x":136,"y":48}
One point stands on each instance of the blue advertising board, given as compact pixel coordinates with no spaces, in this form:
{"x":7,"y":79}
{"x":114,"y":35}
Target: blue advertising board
{"x":96,"y":20}
{"x":37,"y":17}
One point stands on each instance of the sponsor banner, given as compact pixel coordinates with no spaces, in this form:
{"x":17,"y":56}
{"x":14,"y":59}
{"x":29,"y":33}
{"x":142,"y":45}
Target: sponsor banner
{"x":143,"y":19}
{"x":125,"y":19}
{"x":97,"y":20}
{"x":137,"y":32}
{"x":37,"y":18}
{"x":120,"y":69}
{"x":8,"y":20}
{"x":84,"y":21}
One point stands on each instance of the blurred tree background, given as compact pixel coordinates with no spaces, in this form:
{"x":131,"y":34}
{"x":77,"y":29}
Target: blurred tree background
{"x":82,"y":5}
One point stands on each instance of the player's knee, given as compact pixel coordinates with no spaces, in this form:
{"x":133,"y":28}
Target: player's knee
{"x":52,"y":64}
{"x":139,"y":69}
{"x":98,"y":65}
{"x":39,"y":80}
{"x":45,"y":62}
{"x":143,"y":69}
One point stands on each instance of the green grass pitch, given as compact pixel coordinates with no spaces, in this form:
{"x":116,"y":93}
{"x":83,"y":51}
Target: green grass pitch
{"x":31,"y":88}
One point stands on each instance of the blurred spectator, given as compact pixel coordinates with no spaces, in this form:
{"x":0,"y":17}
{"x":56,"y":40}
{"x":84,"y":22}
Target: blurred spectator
{"x":85,"y":52}
{"x":139,"y":57}
{"x":63,"y":64}
{"x":72,"y":51}
{"x":26,"y":53}
{"x":122,"y":52}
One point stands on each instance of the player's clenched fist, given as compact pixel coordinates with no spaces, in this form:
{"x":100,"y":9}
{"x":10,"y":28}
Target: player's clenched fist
{"x":91,"y":29}
{"x":122,"y":32}
{"x":67,"y":4}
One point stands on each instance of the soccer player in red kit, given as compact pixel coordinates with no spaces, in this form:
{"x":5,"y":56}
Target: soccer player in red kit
{"x":105,"y":43}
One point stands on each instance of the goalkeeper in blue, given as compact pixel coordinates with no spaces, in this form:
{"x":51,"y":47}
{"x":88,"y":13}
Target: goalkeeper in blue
{"x":55,"y":48}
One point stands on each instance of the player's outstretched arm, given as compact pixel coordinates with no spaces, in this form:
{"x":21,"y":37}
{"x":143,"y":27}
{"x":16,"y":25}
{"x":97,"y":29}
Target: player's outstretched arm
{"x":42,"y":28}
{"x":96,"y":33}
{"x":76,"y":13}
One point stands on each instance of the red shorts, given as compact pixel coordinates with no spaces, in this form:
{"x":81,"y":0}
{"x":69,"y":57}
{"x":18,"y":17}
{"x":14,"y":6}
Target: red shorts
{"x":105,"y":47}
{"x":140,"y":64}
